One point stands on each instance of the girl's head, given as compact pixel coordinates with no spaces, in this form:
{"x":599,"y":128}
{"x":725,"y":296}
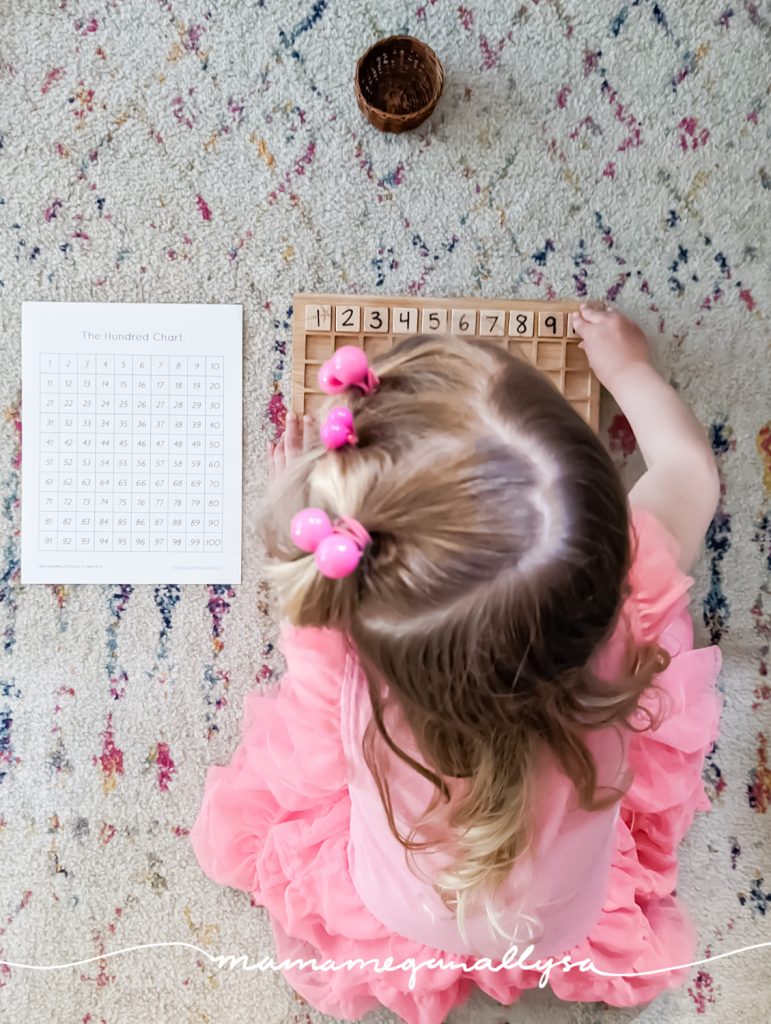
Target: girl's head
{"x":497,"y":564}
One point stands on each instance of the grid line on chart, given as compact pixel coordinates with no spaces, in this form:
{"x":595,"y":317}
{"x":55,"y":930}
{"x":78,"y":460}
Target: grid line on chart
{"x":114,"y":411}
{"x":105,"y":413}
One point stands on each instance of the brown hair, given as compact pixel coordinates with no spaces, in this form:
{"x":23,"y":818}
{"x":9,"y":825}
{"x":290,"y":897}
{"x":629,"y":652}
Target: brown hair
{"x":498,"y":566}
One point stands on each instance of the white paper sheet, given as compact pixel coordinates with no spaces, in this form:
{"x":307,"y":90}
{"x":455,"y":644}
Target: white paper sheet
{"x":131,"y":443}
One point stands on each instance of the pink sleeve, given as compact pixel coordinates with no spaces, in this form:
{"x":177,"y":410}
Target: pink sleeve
{"x":659,"y":586}
{"x":312,"y":650}
{"x":289,"y":766}
{"x":303,"y":721}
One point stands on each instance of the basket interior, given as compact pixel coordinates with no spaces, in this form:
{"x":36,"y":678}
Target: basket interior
{"x":398,"y":78}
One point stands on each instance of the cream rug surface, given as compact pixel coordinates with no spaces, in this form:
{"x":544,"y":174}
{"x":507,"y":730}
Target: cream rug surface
{"x":164,"y":151}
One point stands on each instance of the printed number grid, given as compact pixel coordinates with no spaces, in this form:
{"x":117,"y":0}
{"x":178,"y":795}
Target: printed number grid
{"x":540,"y":332}
{"x":131,"y":452}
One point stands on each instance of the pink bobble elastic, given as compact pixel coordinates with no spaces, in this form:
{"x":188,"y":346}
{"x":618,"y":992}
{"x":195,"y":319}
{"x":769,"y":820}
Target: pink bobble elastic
{"x":309,"y":527}
{"x":337,"y":429}
{"x":338,"y":548}
{"x":348,"y":367}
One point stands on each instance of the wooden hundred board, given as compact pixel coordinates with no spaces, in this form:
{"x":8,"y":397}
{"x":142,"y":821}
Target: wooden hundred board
{"x":533,"y":330}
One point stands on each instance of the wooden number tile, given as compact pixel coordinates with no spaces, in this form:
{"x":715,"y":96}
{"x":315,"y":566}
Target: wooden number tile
{"x":551,"y":325}
{"x":434,"y":321}
{"x":376,"y":318}
{"x":347,"y":318}
{"x":520,"y":325}
{"x":569,"y":321}
{"x":318,"y":318}
{"x":464,"y":321}
{"x":491,"y":322}
{"x":405,"y":320}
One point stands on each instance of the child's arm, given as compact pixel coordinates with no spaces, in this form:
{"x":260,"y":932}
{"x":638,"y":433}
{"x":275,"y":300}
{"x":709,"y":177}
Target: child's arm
{"x":681,"y":486}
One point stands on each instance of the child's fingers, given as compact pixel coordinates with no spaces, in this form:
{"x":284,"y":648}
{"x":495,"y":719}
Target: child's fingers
{"x":309,"y":432}
{"x":593,"y":316}
{"x":279,"y":453}
{"x":581,"y":325}
{"x":589,"y":319}
{"x":292,"y":434}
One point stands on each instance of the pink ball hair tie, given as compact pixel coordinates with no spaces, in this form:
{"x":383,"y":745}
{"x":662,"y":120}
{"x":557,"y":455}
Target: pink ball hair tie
{"x":337,"y":546}
{"x":348,"y":367}
{"x":337,"y":429}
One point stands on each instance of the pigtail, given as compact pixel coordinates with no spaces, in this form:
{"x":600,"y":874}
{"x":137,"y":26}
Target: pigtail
{"x":319,"y":550}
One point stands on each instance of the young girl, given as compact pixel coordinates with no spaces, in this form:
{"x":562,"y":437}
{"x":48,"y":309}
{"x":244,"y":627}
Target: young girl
{"x":492,"y":726}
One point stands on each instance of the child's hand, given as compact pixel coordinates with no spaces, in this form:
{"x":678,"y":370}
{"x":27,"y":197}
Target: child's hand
{"x":299,"y":435}
{"x":612,"y":343}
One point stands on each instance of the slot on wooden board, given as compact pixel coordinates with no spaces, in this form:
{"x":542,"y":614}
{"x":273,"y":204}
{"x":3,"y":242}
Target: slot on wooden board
{"x":549,"y":354}
{"x":375,"y":346}
{"x":576,"y":384}
{"x":522,"y":349}
{"x":575,"y":357}
{"x":318,"y":347}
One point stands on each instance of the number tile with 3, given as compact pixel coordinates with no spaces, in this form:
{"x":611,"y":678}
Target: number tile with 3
{"x":376,"y":319}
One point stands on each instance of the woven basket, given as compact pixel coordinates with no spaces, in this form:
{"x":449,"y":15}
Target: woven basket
{"x":398,"y":83}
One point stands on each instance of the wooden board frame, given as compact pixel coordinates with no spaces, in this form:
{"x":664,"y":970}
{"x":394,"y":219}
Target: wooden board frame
{"x":537,"y":330}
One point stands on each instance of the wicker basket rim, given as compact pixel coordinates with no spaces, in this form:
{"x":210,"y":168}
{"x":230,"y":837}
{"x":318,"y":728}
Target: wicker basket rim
{"x":390,"y":40}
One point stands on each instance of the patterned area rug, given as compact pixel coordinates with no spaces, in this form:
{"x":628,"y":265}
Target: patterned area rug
{"x":163,"y":151}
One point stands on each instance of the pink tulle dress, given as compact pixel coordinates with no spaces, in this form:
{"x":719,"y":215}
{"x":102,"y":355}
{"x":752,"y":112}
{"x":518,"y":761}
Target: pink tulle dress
{"x":295,"y":820}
